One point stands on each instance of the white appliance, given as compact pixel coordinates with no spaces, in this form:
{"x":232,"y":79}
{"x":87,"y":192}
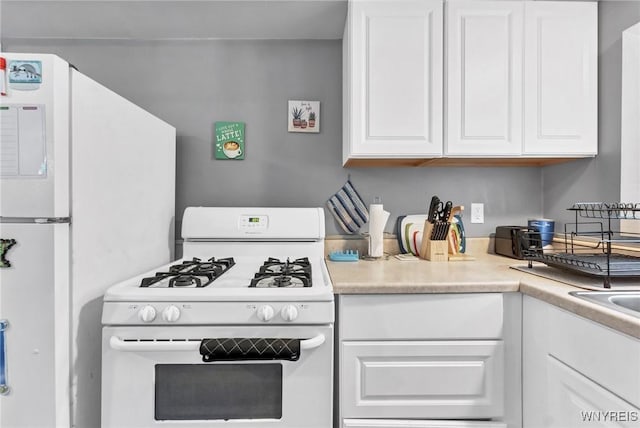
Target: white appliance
{"x":87,"y":196}
{"x":242,"y":339}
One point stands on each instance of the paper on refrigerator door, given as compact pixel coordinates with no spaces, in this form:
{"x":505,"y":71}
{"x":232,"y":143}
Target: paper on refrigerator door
{"x":22,"y":141}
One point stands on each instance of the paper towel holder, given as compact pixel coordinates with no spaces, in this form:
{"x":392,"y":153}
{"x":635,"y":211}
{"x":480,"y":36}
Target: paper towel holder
{"x":378,"y":218}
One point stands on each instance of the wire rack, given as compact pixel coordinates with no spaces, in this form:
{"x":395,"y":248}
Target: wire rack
{"x":602,"y":210}
{"x":592,"y":245}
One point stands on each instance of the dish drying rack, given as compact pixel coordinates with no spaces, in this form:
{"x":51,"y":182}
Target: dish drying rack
{"x":592,"y":245}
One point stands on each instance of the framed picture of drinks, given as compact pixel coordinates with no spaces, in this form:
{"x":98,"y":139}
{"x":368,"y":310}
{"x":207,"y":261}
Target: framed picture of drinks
{"x":304,"y":116}
{"x":229,"y":142}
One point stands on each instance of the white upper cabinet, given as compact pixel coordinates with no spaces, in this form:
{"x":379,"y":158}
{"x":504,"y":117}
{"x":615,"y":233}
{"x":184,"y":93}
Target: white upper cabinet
{"x":484,"y":79}
{"x":630,"y":125}
{"x":393,"y":79}
{"x":520,"y":82}
{"x":560,"y":74}
{"x":521,"y":78}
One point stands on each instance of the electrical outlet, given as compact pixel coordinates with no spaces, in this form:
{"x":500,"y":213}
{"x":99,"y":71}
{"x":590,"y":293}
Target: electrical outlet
{"x":477,"y":213}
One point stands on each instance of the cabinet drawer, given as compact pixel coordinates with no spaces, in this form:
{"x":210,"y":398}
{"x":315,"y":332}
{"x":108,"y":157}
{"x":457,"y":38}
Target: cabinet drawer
{"x":443,"y":379}
{"x":421,"y":316}
{"x":394,"y":423}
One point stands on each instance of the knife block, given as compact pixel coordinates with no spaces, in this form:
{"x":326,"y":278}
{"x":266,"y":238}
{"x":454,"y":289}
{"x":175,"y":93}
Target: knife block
{"x":435,"y":251}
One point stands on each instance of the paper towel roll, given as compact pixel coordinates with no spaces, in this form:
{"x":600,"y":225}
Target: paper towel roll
{"x":377,"y":220}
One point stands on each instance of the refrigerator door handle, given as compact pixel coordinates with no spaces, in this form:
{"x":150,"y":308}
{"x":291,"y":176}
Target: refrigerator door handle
{"x":52,"y":220}
{"x":4,"y":388}
{"x":36,"y":220}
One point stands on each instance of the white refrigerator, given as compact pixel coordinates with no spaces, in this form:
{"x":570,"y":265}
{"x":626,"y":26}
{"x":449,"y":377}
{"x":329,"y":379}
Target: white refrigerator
{"x":87,"y":199}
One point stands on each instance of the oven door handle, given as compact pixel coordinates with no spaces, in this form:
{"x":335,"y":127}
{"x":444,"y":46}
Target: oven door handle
{"x":153,"y":345}
{"x":314,"y":342}
{"x":185,"y":345}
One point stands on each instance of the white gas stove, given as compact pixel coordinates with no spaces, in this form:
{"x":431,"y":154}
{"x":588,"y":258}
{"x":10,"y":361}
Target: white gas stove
{"x":249,"y":308}
{"x":240,"y":261}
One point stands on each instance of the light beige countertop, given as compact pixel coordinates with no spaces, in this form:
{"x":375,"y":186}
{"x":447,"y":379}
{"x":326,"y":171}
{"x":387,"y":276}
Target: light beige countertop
{"x":488,"y":273}
{"x":421,"y":276}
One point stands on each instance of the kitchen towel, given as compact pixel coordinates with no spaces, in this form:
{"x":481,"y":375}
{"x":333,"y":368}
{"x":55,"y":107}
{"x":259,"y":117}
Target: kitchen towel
{"x":348,"y":209}
{"x":249,"y":349}
{"x":377,"y":222}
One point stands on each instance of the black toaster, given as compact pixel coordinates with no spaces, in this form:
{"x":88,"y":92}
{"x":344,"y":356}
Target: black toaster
{"x":514,"y":241}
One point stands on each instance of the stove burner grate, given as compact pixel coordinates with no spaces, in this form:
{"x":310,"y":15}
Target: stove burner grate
{"x":278,"y":274}
{"x":191,"y":273}
{"x":185,"y":281}
{"x":298,"y":266}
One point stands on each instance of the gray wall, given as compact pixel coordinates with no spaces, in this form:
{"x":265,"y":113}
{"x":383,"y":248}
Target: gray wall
{"x":193,"y":84}
{"x":596,"y":179}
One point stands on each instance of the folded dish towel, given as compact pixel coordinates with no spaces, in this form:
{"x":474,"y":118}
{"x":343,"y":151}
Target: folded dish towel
{"x":348,"y":209}
{"x":249,"y":349}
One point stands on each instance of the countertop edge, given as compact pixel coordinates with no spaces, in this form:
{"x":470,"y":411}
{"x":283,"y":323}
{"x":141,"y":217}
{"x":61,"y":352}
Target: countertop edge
{"x":550,"y":291}
{"x":560,"y":298}
{"x":487,"y":287}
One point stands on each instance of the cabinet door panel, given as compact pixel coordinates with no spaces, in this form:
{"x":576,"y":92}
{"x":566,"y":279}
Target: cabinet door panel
{"x":397,"y":109}
{"x":579,"y":343}
{"x":395,"y":423}
{"x":444,"y":379}
{"x":484,"y":88}
{"x":630,"y":125}
{"x":560,"y":78}
{"x":576,"y":401}
{"x":576,"y":372}
{"x":395,"y":78}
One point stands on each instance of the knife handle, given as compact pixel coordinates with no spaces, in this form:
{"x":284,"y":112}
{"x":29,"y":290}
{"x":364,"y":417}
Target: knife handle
{"x":433,"y":209}
{"x":446,"y":212}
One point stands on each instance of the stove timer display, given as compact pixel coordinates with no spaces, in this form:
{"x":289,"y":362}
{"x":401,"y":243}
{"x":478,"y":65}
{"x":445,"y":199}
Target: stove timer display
{"x":253,"y":223}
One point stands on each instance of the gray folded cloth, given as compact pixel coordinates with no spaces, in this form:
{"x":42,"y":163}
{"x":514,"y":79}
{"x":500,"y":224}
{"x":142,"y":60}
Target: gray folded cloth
{"x":348,"y":209}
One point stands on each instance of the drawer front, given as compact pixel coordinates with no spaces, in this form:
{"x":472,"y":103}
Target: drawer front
{"x":393,"y":423}
{"x":443,"y":379}
{"x":421,"y":316}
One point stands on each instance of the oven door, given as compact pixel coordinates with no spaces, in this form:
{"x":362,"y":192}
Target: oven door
{"x":155,"y":376}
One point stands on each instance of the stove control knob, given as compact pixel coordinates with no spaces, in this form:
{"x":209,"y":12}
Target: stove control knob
{"x":265,"y":313}
{"x":171,"y":313}
{"x":289,"y":313}
{"x":147,"y":313}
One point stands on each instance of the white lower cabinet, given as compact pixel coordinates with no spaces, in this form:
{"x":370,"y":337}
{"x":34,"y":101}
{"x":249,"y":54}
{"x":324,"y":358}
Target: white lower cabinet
{"x":577,"y":401}
{"x":425,"y":360}
{"x":369,"y":423}
{"x":440,"y":379}
{"x":577,"y":373}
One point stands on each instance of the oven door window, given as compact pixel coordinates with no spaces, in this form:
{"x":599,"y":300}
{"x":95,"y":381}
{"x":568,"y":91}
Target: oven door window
{"x":218,"y":391}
